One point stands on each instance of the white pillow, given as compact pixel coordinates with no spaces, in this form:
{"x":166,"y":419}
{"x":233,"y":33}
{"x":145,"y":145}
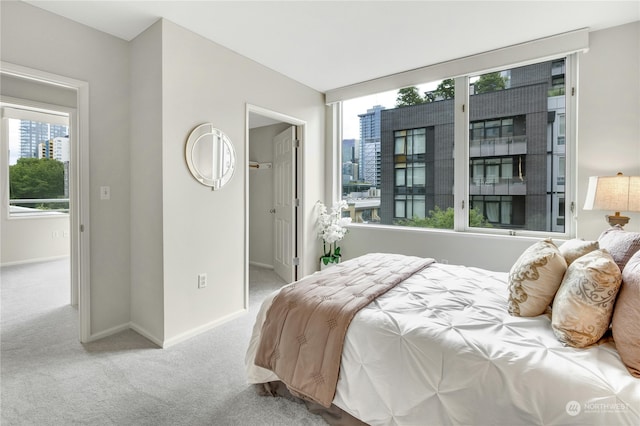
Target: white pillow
{"x":575,"y":248}
{"x":584,"y":303}
{"x":535,"y":278}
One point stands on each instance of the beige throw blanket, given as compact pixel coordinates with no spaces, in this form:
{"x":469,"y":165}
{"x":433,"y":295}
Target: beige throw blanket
{"x":303,"y":334}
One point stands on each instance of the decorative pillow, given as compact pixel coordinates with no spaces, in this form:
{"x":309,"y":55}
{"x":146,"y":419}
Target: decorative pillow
{"x":584,"y":303}
{"x":575,"y":248}
{"x":620,"y":244}
{"x":535,"y":278}
{"x":626,"y":316}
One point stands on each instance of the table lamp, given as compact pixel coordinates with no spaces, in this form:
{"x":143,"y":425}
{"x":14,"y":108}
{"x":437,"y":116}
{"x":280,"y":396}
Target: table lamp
{"x":614,"y":193}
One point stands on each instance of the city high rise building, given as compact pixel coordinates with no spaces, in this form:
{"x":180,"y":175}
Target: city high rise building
{"x":32,"y":133}
{"x":349,"y":163}
{"x":369,"y":158}
{"x":56,"y":149}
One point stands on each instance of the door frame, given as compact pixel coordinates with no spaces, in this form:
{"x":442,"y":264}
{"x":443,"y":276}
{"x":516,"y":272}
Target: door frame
{"x":299,"y":180}
{"x":79,"y":185}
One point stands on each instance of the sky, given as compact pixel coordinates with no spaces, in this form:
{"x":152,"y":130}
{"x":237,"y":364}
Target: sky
{"x":14,"y":141}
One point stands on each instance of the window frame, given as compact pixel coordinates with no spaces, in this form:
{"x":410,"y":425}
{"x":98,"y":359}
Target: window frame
{"x":461,"y":153}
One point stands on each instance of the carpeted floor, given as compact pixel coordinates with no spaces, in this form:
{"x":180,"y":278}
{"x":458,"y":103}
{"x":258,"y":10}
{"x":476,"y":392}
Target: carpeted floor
{"x":49,"y":378}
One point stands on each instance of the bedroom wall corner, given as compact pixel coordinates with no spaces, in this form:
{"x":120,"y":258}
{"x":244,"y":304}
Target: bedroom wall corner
{"x":147,"y":302}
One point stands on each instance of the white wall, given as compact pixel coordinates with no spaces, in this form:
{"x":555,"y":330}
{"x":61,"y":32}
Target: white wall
{"x":608,"y":142}
{"x":147,"y":283}
{"x":609,"y":114}
{"x":261,"y":245}
{"x":34,"y":239}
{"x":75,"y":51}
{"x":203,"y":231}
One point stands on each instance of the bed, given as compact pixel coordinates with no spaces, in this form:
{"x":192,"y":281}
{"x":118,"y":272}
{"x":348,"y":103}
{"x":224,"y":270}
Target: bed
{"x":440,"y":347}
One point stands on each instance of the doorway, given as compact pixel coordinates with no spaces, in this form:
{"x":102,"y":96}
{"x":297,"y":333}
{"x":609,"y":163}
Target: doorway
{"x":273,"y":191}
{"x":33,"y":88}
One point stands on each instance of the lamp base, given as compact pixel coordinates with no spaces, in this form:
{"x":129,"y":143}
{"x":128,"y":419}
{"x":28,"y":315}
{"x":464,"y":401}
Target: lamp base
{"x":617,"y":220}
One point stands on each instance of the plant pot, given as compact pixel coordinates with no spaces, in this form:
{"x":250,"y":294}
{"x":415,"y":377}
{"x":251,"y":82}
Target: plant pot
{"x":328,"y":265}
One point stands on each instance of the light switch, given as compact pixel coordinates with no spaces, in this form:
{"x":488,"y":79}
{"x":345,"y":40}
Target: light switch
{"x":105,"y":192}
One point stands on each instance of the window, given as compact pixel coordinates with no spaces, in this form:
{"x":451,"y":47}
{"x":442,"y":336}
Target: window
{"x":39,"y":155}
{"x":561,"y":129}
{"x":515,"y":150}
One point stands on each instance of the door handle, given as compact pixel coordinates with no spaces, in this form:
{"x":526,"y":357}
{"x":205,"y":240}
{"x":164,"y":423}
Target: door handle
{"x":272,"y":211}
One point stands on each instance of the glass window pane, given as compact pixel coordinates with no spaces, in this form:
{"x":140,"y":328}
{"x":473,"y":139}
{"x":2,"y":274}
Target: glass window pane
{"x":519,"y":134}
{"x":404,"y":138}
{"x":507,"y":168}
{"x":505,"y":211}
{"x":492,"y":173}
{"x":418,"y":176}
{"x":420,"y":143}
{"x":492,"y":210}
{"x":400,"y":146}
{"x":403,"y":147}
{"x":419,"y":207}
{"x":400,"y":177}
{"x":39,"y":155}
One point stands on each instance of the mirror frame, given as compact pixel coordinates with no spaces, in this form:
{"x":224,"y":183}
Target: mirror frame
{"x":198,"y":135}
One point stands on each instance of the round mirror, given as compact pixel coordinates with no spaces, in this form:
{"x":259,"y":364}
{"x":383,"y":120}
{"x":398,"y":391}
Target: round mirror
{"x":210,"y":156}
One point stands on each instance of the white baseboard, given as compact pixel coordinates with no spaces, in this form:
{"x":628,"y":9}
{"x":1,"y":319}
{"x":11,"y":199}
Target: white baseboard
{"x":108,"y":332}
{"x":260,"y":265}
{"x":36,"y":260}
{"x":122,"y":327}
{"x":169,"y":342}
{"x":198,"y":330}
{"x":144,"y":333}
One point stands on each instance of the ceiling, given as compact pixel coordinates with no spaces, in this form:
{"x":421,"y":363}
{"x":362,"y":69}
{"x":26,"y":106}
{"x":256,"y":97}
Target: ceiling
{"x":331,"y":44}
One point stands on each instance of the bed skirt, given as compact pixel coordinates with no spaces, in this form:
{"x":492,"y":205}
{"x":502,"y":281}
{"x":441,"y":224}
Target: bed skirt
{"x":333,"y":415}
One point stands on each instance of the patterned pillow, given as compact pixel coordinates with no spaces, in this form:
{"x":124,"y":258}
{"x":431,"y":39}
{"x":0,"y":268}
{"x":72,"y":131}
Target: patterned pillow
{"x":584,"y":303}
{"x":575,"y":248}
{"x":535,"y":278}
{"x":620,"y":244}
{"x":626,"y":316}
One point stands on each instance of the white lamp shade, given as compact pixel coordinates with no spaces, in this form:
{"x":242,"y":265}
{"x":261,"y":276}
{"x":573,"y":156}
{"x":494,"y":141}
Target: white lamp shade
{"x":614,"y":193}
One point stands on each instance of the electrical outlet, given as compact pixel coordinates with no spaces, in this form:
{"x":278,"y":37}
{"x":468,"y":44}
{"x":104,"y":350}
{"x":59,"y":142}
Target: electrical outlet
{"x":202,"y":280}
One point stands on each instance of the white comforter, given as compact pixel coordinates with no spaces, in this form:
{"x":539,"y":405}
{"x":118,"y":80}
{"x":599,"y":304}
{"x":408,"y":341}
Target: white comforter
{"x":441,"y":348}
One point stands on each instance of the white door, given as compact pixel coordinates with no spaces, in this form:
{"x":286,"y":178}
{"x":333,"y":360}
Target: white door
{"x":284,"y":189}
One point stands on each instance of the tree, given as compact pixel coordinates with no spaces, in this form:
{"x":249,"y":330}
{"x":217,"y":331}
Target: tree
{"x":408,"y":96}
{"x":36,"y":178}
{"x":445,"y":90}
{"x":490,"y":82}
{"x":443,"y":219}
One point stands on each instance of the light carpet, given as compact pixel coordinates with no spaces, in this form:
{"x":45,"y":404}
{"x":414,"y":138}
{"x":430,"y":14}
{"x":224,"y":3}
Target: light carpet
{"x":49,"y":378}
